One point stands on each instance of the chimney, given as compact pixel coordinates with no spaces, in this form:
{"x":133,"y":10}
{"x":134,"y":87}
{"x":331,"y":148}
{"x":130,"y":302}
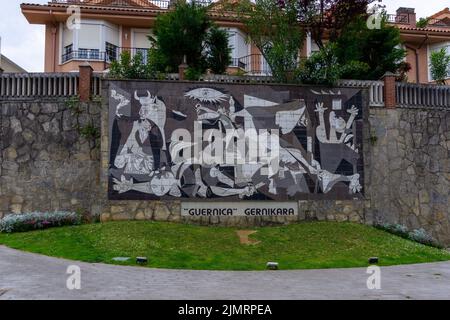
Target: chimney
{"x":406,"y":16}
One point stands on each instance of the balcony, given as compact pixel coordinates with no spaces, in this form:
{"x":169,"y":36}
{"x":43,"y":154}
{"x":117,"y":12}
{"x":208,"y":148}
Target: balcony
{"x":253,"y":64}
{"x":108,"y":56}
{"x":146,"y":4}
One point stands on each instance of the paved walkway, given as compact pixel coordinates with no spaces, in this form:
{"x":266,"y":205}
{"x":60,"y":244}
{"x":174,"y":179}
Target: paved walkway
{"x":32,"y":276}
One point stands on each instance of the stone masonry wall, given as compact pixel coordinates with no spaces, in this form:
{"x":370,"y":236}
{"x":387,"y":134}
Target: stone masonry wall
{"x":45,"y":164}
{"x":409,"y":177}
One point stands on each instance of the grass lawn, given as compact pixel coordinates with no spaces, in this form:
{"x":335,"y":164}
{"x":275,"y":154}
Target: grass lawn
{"x":178,"y":246}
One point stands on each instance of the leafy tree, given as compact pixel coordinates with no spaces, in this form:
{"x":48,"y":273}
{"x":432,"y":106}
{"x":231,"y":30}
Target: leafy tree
{"x":188,"y":32}
{"x":380,"y":49}
{"x":178,"y":33}
{"x":422,"y":23}
{"x":218,"y":51}
{"x":358,"y":53}
{"x":440,"y":66}
{"x":327,"y":18}
{"x":273,"y":27}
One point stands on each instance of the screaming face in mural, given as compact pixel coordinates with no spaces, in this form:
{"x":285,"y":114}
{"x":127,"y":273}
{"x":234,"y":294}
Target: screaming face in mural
{"x":209,"y":143}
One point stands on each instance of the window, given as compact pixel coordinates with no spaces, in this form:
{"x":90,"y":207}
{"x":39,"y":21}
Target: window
{"x":95,"y":40}
{"x":111,"y":52}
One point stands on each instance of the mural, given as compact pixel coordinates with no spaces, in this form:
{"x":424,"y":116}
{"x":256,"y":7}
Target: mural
{"x":234,"y":142}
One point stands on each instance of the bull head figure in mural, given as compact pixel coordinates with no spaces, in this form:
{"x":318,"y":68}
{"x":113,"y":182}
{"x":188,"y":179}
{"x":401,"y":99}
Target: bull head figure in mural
{"x":154,"y":110}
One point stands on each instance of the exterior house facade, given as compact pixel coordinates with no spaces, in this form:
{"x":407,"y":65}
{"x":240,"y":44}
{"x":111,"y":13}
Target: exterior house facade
{"x":420,"y":42}
{"x":9,"y":66}
{"x":109,"y":27}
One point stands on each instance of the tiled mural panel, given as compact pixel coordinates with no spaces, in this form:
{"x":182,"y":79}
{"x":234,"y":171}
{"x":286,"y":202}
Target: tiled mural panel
{"x":208,"y":141}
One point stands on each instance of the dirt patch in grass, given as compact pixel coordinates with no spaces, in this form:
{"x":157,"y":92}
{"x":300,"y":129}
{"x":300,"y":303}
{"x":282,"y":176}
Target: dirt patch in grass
{"x":244,"y":237}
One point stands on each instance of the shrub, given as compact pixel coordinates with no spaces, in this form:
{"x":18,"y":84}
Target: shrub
{"x":193,"y":74}
{"x":417,"y":235}
{"x":323,"y":67}
{"x":354,"y":70}
{"x":440,"y":65}
{"x":421,"y":236}
{"x":128,"y":67}
{"x":38,"y":220}
{"x":397,"y":229}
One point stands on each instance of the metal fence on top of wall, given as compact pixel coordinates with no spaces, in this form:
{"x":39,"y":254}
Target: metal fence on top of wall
{"x":422,"y":96}
{"x":26,"y":85}
{"x":32,"y":85}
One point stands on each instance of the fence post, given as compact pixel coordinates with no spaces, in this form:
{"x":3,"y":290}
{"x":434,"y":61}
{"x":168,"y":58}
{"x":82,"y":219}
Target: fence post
{"x":84,"y":86}
{"x":390,"y":97}
{"x":182,"y":69}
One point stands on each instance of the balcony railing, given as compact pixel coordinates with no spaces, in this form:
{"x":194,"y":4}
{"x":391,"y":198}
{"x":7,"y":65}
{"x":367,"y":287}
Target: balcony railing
{"x":155,"y":4}
{"x":236,"y":63}
{"x":398,"y":19}
{"x":107,"y":56}
{"x":255,"y":64}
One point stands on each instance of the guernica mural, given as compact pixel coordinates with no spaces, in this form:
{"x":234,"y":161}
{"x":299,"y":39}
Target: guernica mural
{"x":232,"y":142}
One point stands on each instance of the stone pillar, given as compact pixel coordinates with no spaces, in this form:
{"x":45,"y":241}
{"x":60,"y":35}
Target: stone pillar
{"x":390,"y":97}
{"x":85,"y":80}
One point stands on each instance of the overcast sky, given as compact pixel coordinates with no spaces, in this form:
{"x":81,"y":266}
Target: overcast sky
{"x":24,"y":43}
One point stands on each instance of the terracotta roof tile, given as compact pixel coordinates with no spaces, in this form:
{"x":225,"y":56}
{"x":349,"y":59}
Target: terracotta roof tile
{"x":442,"y":29}
{"x":438,"y":14}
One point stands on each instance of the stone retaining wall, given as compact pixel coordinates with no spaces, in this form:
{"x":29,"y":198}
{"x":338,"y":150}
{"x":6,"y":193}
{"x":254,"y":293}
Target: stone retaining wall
{"x":409,"y":177}
{"x":46,"y":164}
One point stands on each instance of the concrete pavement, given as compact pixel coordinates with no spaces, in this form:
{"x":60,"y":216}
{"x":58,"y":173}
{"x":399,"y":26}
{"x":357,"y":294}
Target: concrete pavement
{"x":31,"y":276}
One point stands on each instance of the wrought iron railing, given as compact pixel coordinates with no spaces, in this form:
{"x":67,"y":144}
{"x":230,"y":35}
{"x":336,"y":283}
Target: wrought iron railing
{"x":108,"y":56}
{"x":255,"y":64}
{"x":398,"y":18}
{"x":155,"y":4}
{"x":236,"y":63}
